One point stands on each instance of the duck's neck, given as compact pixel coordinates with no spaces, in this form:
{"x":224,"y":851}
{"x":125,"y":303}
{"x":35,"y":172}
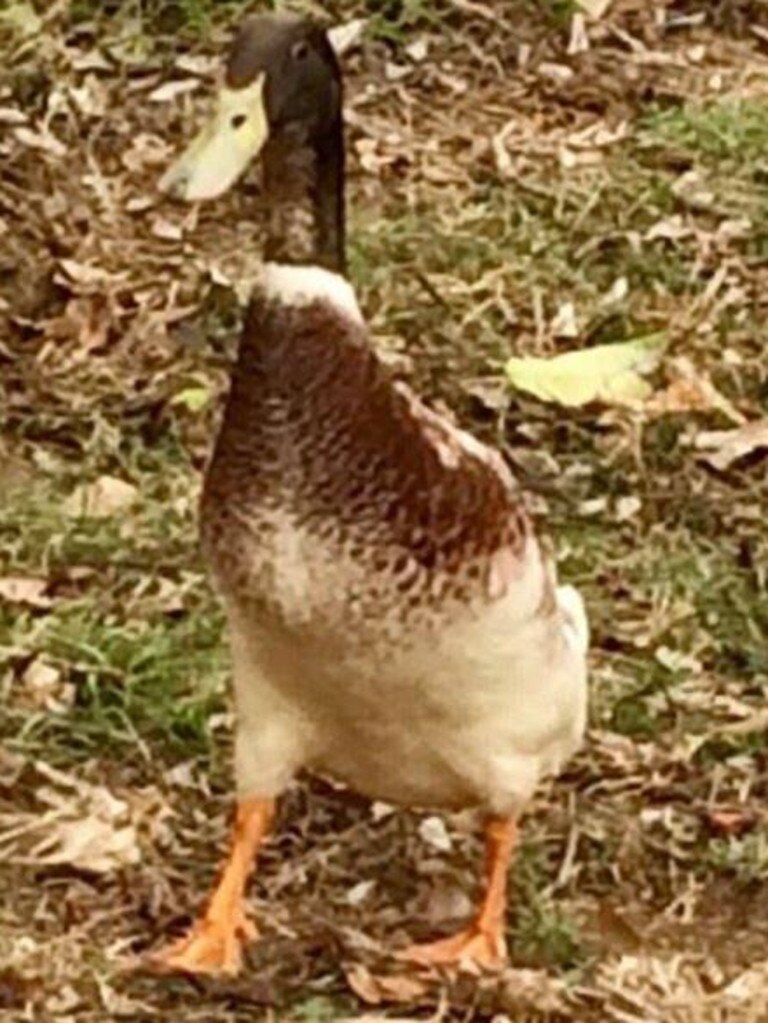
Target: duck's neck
{"x":304,"y":191}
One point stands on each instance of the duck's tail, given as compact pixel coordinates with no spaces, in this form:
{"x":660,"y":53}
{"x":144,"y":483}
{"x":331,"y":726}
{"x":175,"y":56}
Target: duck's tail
{"x":575,"y":616}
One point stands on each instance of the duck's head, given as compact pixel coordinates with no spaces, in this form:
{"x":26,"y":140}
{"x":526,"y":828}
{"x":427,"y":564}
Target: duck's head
{"x":281,"y":73}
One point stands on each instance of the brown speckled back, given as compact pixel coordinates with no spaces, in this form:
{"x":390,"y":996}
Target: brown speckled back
{"x":335,"y":497}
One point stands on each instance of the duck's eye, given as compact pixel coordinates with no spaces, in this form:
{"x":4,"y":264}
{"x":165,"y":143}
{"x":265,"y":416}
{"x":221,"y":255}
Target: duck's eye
{"x":300,"y":50}
{"x":238,"y":120}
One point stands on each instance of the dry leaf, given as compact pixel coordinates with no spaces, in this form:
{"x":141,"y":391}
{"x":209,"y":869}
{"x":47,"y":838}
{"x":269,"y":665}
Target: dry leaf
{"x":669,"y":229}
{"x":434,"y":832}
{"x":594,"y":8}
{"x":501,"y":157}
{"x":606,"y":373}
{"x":11,"y":766}
{"x":359,"y":892}
{"x":374,"y":989}
{"x":86,"y":319}
{"x":380,"y":811}
{"x":42,"y":140}
{"x":691,"y":190}
{"x":80,"y":825}
{"x":170,"y":90}
{"x":681,"y":396}
{"x":616,"y":930}
{"x":579,"y":38}
{"x":99,"y":500}
{"x":373,"y":1018}
{"x":165,"y":229}
{"x":616,"y":293}
{"x":417,"y":50}
{"x":692,"y":391}
{"x":565,"y":323}
{"x":677,"y":660}
{"x":731,"y":822}
{"x":559,"y":74}
{"x":720,"y":448}
{"x":44,"y":689}
{"x":196,"y":64}
{"x":343,"y":37}
{"x":90,"y":843}
{"x":91,"y":98}
{"x":22,"y":18}
{"x":19,"y":589}
{"x":12,"y":116}
{"x":627,"y":507}
{"x":524,"y":992}
{"x":85,"y":275}
{"x":749,"y":987}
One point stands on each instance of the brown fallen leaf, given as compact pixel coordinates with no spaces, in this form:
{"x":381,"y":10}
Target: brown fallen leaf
{"x":721,"y":448}
{"x":594,"y":8}
{"x":371,"y":1018}
{"x":86,"y":319}
{"x":749,"y":988}
{"x":523,"y":992}
{"x":731,"y":822}
{"x":172,"y":90}
{"x":691,"y":390}
{"x":375,"y":989}
{"x":11,"y":766}
{"x":43,"y":688}
{"x":617,"y":932}
{"x":76,"y":824}
{"x":344,"y":37}
{"x":101,"y":499}
{"x":85,"y":275}
{"x":19,"y":589}
{"x":680,"y":396}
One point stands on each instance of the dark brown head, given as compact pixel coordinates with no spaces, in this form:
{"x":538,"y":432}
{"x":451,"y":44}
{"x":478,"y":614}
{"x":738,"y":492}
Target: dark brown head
{"x":281,"y":73}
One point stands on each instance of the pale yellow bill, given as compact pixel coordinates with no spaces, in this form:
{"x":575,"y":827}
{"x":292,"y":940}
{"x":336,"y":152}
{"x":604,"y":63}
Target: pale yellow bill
{"x":221,"y":152}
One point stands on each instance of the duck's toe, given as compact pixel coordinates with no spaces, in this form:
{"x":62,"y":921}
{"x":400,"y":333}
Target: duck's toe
{"x":473,"y":946}
{"x":214,"y":946}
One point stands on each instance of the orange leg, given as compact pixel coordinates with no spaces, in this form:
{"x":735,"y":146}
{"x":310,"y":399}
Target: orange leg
{"x":483,"y":941}
{"x":214,"y":944}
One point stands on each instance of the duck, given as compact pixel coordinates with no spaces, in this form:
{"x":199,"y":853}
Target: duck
{"x":395,"y":621}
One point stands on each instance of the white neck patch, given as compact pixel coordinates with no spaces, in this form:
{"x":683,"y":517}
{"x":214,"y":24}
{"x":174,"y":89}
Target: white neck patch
{"x":301,"y":285}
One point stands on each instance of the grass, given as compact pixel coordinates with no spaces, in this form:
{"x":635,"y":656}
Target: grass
{"x":544,"y":933}
{"x":729,"y":135}
{"x":456,"y":278}
{"x":133,"y":626}
{"x":746,"y":859}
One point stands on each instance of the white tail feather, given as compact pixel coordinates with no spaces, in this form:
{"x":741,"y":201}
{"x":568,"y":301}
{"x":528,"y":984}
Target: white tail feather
{"x":577,"y":624}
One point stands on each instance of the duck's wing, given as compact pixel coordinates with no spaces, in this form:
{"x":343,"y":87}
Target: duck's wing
{"x":316,"y":425}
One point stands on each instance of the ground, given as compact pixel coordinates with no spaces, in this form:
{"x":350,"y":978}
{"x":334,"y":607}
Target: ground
{"x":524,"y":180}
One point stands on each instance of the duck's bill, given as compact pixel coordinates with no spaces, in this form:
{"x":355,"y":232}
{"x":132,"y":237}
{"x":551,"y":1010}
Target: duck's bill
{"x":233,"y":137}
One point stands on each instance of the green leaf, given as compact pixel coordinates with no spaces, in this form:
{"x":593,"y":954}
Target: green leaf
{"x":194,"y":399}
{"x":607,"y":373}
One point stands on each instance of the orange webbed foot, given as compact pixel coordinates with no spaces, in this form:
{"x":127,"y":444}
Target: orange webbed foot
{"x":214,"y":946}
{"x":473,"y":946}
{"x":482,"y":943}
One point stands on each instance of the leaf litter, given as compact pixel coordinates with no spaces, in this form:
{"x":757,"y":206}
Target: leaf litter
{"x":76,"y":824}
{"x":116,"y":314}
{"x":721,"y":448}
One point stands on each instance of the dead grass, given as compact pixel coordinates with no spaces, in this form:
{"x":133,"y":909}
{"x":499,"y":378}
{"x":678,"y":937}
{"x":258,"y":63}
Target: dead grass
{"x":494,"y":181}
